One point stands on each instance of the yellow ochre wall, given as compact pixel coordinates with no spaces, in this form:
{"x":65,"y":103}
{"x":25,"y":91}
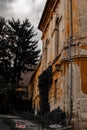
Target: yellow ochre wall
{"x":55,"y":27}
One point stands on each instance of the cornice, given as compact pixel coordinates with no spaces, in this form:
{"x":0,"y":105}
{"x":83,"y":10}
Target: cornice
{"x":47,"y":13}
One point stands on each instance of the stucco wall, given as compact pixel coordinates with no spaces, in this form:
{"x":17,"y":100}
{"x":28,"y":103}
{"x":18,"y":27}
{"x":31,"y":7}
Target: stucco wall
{"x":83,"y":17}
{"x":78,"y":50}
{"x":62,"y":77}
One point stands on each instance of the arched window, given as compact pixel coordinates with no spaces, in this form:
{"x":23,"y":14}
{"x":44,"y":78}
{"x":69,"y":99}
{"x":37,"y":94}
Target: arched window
{"x":57,"y":36}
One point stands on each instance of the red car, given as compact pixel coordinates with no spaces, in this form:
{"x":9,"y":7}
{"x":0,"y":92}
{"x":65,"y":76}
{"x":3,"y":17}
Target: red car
{"x":20,"y":124}
{"x":17,"y":124}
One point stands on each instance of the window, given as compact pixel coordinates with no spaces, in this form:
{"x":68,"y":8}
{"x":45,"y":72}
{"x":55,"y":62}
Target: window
{"x":84,"y":75}
{"x":55,"y":91}
{"x":48,"y":53}
{"x":45,"y":57}
{"x":45,"y":54}
{"x":56,"y":36}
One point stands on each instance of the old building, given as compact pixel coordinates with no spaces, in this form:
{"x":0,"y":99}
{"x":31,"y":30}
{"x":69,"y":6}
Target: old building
{"x":22,"y":90}
{"x":33,"y":91}
{"x":64,"y":35}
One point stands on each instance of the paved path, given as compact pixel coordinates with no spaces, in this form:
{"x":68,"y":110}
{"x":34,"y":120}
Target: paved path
{"x":4,"y":126}
{"x":30,"y":125}
{"x":33,"y":126}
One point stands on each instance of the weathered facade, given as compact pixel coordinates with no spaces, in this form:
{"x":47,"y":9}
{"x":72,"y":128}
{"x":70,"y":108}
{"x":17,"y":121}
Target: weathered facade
{"x":64,"y":34}
{"x":33,"y":91}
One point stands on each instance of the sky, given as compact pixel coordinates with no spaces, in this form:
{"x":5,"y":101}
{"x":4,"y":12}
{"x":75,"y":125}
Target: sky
{"x":31,"y":9}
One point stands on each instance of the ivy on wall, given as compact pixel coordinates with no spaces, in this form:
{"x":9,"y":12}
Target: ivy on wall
{"x":45,"y":81}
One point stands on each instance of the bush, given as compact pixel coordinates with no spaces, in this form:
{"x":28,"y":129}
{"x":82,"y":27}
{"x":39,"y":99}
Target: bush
{"x":56,"y":116}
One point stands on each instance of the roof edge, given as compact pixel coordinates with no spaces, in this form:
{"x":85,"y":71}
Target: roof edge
{"x":39,"y":26}
{"x":47,"y":12}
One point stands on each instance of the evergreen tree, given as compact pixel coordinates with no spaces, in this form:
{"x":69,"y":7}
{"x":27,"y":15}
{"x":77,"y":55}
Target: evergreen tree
{"x":18,"y":49}
{"x":4,"y":53}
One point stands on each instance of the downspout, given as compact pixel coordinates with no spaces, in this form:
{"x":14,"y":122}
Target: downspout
{"x":70,"y":63}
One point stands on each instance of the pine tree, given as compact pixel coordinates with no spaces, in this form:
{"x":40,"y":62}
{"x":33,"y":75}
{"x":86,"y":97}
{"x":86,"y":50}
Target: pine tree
{"x":4,"y":53}
{"x":21,"y":49}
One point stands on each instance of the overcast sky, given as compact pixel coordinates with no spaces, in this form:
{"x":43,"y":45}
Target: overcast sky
{"x":32,"y":9}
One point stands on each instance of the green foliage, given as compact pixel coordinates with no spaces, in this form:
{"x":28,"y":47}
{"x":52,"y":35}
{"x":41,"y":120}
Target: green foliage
{"x":18,"y":53}
{"x":4,"y":54}
{"x":45,"y":81}
{"x":18,"y":49}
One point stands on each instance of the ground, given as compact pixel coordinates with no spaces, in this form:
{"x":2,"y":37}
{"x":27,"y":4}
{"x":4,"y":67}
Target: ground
{"x":31,"y":126}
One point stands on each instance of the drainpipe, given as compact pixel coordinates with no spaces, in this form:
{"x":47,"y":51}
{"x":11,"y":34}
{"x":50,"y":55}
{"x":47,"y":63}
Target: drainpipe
{"x":70,"y":64}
